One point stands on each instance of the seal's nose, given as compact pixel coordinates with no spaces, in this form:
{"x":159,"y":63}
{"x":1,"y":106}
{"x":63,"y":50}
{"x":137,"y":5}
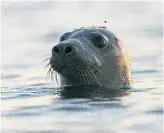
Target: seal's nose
{"x":62,"y":49}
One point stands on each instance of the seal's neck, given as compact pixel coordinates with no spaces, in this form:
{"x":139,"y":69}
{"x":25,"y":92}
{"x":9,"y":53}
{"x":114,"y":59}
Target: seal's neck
{"x":100,"y":80}
{"x":76,"y":81}
{"x":109,"y":79}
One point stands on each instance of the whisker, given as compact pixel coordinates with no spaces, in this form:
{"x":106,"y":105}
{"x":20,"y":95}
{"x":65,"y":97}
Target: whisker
{"x":85,"y":75}
{"x":45,"y":60}
{"x":88,"y":51}
{"x":90,"y":64}
{"x":51,"y":74}
{"x":88,"y":70}
{"x":56,"y":78}
{"x":48,"y":73}
{"x":95,"y":77}
{"x":93,"y":57}
{"x":47,"y":65}
{"x":47,"y":54}
{"x":80,"y":74}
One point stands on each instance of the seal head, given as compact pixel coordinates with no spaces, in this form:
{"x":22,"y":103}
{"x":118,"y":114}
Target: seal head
{"x":91,"y":56}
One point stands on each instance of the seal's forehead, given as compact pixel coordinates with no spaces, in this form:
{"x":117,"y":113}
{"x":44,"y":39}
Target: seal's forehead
{"x":87,"y":31}
{"x":82,"y":31}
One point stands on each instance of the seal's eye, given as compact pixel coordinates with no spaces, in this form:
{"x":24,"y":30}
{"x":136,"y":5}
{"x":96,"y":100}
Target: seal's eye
{"x":98,"y":40}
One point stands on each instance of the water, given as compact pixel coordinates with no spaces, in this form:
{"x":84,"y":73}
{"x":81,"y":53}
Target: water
{"x":32,"y":104}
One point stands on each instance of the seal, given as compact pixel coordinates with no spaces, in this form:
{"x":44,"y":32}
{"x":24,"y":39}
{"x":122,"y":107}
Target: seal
{"x":91,"y":56}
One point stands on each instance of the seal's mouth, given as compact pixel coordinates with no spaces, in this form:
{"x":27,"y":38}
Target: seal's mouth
{"x":64,"y":68}
{"x":75,"y":67}
{"x":75,"y":63}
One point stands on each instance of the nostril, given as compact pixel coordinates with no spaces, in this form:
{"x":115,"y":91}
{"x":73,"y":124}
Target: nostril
{"x":68,"y":49}
{"x":55,"y":50}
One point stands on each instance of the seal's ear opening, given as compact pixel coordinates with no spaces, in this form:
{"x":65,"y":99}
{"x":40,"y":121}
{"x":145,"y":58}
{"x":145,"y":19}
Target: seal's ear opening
{"x":64,"y":36}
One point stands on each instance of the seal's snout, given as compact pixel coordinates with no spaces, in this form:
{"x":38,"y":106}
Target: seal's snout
{"x":63,"y":54}
{"x":63,"y":49}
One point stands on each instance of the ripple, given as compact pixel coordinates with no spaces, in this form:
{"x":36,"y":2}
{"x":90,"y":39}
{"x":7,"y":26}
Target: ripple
{"x":142,"y":90}
{"x":145,"y":72}
{"x":20,"y":114}
{"x":33,"y":131}
{"x":71,"y":109}
{"x":12,"y":76}
{"x":156,"y":111}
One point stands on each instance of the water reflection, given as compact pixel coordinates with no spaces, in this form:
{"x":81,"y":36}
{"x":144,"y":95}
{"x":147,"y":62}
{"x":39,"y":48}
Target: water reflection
{"x":56,"y":109}
{"x":90,"y":92}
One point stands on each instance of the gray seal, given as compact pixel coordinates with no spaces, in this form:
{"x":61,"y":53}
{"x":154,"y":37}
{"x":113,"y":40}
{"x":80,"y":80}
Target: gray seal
{"x":91,"y":56}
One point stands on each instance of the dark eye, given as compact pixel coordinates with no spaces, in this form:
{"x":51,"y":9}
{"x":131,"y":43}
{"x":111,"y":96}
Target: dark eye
{"x":98,"y":40}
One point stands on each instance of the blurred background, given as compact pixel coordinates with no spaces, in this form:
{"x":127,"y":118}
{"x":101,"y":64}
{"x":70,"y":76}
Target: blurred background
{"x":29,"y":30}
